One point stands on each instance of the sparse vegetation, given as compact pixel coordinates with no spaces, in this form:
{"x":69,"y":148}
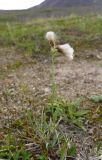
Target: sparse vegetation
{"x":81,"y":32}
{"x":37,"y":121}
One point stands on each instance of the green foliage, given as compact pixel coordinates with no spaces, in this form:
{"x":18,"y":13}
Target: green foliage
{"x":82,"y":32}
{"x":99,"y":148}
{"x":70,"y":112}
{"x":50,"y":136}
{"x":72,"y":151}
{"x":43,"y":157}
{"x":96,"y":99}
{"x":13,"y":152}
{"x":22,"y":154}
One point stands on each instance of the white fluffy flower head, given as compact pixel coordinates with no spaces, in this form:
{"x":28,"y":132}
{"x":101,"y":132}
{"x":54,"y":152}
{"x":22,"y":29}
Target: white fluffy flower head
{"x":67,"y":50}
{"x":51,"y":37}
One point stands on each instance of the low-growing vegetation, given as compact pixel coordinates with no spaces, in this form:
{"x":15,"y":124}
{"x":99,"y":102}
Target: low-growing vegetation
{"x":48,"y":134}
{"x":81,"y":32}
{"x":37,"y":122}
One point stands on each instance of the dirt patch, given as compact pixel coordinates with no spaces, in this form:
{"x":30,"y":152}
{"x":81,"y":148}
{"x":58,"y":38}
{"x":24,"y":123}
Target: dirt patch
{"x":82,"y":77}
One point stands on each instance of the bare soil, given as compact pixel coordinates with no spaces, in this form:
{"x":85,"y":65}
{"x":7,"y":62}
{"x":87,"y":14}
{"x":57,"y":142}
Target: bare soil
{"x":81,"y":77}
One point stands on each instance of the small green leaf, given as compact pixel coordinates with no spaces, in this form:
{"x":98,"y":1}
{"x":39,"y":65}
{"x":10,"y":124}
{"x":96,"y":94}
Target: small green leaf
{"x":72,"y":151}
{"x":81,"y":113}
{"x":42,"y":157}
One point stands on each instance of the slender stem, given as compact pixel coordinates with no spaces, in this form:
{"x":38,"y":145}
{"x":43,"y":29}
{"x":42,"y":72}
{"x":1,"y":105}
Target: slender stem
{"x":54,"y":90}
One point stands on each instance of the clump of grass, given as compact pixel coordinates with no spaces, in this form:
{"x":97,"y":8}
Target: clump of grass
{"x":42,"y":135}
{"x":47,"y":133}
{"x":12,"y":150}
{"x":70,"y":112}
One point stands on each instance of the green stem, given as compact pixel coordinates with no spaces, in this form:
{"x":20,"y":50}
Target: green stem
{"x":54,"y":87}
